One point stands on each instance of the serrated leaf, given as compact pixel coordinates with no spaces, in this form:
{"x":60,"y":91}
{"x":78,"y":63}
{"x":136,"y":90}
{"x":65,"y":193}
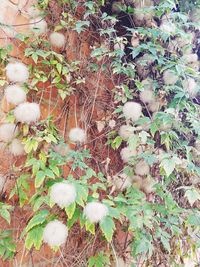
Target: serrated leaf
{"x":168,"y":166}
{"x":107,"y":227}
{"x":5,"y":214}
{"x":38,"y":219}
{"x":40,"y":176}
{"x":49,"y":173}
{"x":55,"y":169}
{"x":34,"y":237}
{"x":192,"y":195}
{"x":70,"y":210}
{"x":73,"y":220}
{"x":90,"y":227}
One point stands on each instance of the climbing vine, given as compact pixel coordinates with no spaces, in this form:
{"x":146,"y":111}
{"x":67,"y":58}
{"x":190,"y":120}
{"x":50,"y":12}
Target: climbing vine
{"x":126,"y":182}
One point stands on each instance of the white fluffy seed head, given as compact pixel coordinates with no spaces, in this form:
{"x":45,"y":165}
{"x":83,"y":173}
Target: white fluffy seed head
{"x":8,"y":131}
{"x":147,"y":96}
{"x":148,"y":185}
{"x":95,"y":211}
{"x":197,"y":145}
{"x":147,"y":84}
{"x":27,"y":112}
{"x":154,"y":106}
{"x":168,"y":27}
{"x":77,"y":135}
{"x":112,"y":124}
{"x":15,"y":94}
{"x":17,"y":72}
{"x":33,"y":12}
{"x":122,"y":181}
{"x":57,"y":39}
{"x":127,"y":153}
{"x":190,"y":86}
{"x":132,"y":110}
{"x":126,"y":131}
{"x":2,"y":182}
{"x":55,"y":233}
{"x":135,"y":41}
{"x":170,"y":77}
{"x":63,"y":194}
{"x":190,"y":58}
{"x":142,"y":168}
{"x":62,"y":149}
{"x":16,"y":147}
{"x":117,"y":7}
{"x":38,"y":25}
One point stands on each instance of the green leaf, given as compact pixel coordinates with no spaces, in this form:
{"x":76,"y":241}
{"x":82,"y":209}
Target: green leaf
{"x":81,"y":25}
{"x":40,"y":176}
{"x":82,"y":194}
{"x":5,"y":214}
{"x":168,"y":166}
{"x":35,"y":58}
{"x":99,"y":260}
{"x":34,"y":237}
{"x":90,"y":227}
{"x":49,"y":173}
{"x":70,"y":210}
{"x":192,"y":195}
{"x":55,"y":169}
{"x":73,"y":220}
{"x":38,"y":219}
{"x":107,"y":227}
{"x":117,"y":142}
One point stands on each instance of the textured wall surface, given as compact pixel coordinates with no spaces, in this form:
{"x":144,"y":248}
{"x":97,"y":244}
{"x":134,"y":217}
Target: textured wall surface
{"x":66,"y":113}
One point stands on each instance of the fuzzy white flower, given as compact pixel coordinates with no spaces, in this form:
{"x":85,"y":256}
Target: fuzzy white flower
{"x":2,"y":182}
{"x":185,"y":40}
{"x":8,"y":131}
{"x":197,"y":145}
{"x":119,"y":46}
{"x":16,"y":147}
{"x":57,"y":39}
{"x":147,"y":84}
{"x":63,"y":194}
{"x":122,"y":181}
{"x":190,"y":58}
{"x":38,"y":25}
{"x":190,"y":86}
{"x":135,"y":41}
{"x":55,"y":233}
{"x":77,"y":135}
{"x":27,"y":112}
{"x":170,"y":77}
{"x":117,"y":7}
{"x":142,"y":168}
{"x":154,"y":106}
{"x":139,"y":12}
{"x":167,"y":25}
{"x":148,"y":185}
{"x":62,"y":149}
{"x":33,"y":12}
{"x":147,"y":96}
{"x":132,"y":110}
{"x":15,"y":94}
{"x":126,"y":154}
{"x":126,"y":131}
{"x":112,"y":124}
{"x":17,"y":72}
{"x":95,"y":211}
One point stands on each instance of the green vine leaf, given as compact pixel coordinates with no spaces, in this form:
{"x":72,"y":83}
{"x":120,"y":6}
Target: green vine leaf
{"x":40,"y":176}
{"x":107,"y":227}
{"x":34,"y":237}
{"x":37,"y":219}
